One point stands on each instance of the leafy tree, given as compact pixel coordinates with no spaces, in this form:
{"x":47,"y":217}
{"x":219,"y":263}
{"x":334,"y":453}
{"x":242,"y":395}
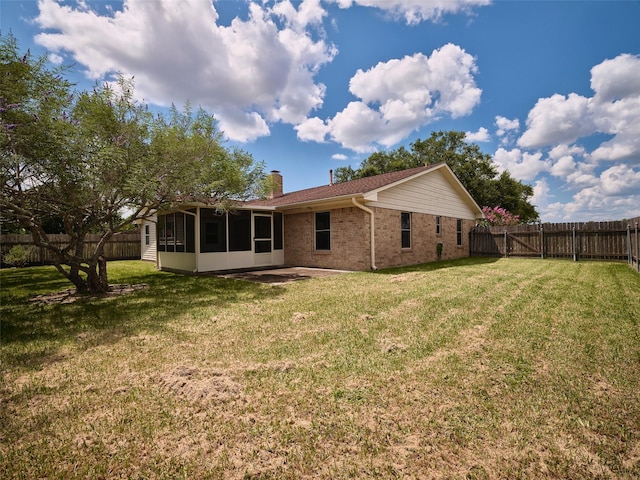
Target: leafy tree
{"x":100,"y":161}
{"x":475,"y":170}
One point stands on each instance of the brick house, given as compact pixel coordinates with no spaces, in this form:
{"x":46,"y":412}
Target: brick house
{"x":388,"y":220}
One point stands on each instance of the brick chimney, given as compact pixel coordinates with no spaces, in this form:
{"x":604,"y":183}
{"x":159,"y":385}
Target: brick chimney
{"x":275,"y":184}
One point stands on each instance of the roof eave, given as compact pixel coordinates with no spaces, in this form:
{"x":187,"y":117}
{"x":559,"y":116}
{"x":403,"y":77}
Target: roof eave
{"x":319,"y":204}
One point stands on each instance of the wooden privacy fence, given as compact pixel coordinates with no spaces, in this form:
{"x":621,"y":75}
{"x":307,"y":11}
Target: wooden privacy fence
{"x":617,"y":240}
{"x":123,"y":246}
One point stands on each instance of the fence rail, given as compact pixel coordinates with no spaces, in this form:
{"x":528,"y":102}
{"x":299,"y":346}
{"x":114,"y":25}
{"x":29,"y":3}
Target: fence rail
{"x":123,"y":246}
{"x":618,"y":241}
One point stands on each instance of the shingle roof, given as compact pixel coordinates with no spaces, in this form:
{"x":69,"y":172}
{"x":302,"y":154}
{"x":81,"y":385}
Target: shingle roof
{"x":354,"y":187}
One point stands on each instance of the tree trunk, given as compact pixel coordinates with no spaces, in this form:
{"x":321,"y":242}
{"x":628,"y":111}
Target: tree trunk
{"x":73,"y":274}
{"x":75,"y":278}
{"x":97,"y":282}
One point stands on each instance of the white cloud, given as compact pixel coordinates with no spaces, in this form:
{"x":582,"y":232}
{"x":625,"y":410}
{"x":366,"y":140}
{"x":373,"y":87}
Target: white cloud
{"x":563,"y":167}
{"x":612,"y":195}
{"x":398,"y":96}
{"x":616,"y":79}
{"x":592,"y":204}
{"x":312,"y":129}
{"x":55,"y":58}
{"x":614,"y":109}
{"x":541,"y":195}
{"x":507,"y":128}
{"x":621,"y":180}
{"x":568,"y":163}
{"x":482,"y":135}
{"x":242,"y":126}
{"x":416,"y":11}
{"x":621,"y":119}
{"x":563,"y":159}
{"x":521,"y":165}
{"x":506,"y":125}
{"x":310,"y":12}
{"x":564,"y":150}
{"x":557,"y":119}
{"x":583,"y":177}
{"x":248,"y":73}
{"x":358,"y":127}
{"x":339,"y":156}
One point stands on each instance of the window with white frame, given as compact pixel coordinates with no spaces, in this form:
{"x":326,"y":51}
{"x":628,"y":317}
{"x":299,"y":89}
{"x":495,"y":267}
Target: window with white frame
{"x":459,"y":233}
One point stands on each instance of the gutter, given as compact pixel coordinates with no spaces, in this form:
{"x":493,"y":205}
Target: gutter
{"x":372,"y":224}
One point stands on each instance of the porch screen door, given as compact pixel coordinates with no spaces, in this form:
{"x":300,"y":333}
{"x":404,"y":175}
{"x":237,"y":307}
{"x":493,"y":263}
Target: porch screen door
{"x":262,"y":239}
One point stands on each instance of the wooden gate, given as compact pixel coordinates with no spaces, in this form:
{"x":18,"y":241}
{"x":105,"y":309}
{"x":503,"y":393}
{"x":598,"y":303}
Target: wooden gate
{"x":617,"y":240}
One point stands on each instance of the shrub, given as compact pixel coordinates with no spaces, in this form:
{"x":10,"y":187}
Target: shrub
{"x":498,"y":216}
{"x":18,"y":256}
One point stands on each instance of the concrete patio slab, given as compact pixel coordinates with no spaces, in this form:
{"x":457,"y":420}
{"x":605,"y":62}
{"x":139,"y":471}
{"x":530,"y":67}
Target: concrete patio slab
{"x":283,"y":275}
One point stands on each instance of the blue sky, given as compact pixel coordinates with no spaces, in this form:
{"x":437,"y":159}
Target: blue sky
{"x":550,"y":89}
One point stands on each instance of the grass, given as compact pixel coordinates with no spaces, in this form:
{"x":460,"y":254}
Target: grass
{"x":477,"y":368}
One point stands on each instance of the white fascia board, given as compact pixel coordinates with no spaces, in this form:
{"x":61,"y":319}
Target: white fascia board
{"x":315,"y":203}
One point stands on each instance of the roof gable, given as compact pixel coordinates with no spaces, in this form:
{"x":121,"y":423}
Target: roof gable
{"x":353,"y":187}
{"x":367,"y":187}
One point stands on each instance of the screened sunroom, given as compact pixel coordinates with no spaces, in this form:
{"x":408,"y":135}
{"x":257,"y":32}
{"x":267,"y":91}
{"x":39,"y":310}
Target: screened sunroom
{"x":203,"y":239}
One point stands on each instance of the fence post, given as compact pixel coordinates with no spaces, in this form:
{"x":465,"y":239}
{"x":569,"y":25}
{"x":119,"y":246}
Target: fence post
{"x":637,"y":250}
{"x":541,"y":241}
{"x":629,"y":249}
{"x":575,"y":247}
{"x":506,"y":252}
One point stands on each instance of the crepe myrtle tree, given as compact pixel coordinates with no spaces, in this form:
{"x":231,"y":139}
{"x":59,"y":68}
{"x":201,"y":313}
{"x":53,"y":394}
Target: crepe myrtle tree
{"x":101,"y":161}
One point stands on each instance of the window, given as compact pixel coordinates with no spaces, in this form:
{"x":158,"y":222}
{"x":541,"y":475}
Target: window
{"x":176,"y":232}
{"x":240,"y":231}
{"x":438,"y":226}
{"x":277,"y":231}
{"x":213,"y":231}
{"x":405,"y":228}
{"x":323,"y":231}
{"x":146,"y":235}
{"x":459,"y":233}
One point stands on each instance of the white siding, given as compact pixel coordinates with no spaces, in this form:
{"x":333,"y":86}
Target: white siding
{"x":430,"y":193}
{"x":148,"y":252}
{"x":183,"y":262}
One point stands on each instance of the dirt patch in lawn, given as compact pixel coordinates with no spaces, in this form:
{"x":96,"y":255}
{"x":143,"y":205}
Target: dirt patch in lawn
{"x":70,"y":295}
{"x":200,"y":386}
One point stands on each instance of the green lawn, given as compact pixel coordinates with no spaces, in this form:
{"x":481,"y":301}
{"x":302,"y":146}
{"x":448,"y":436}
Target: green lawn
{"x":477,"y":368}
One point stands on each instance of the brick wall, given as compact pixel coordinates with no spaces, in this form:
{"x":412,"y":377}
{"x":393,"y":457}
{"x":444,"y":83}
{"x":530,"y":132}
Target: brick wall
{"x":424,"y":240}
{"x":350,"y":247}
{"x":349,"y":240}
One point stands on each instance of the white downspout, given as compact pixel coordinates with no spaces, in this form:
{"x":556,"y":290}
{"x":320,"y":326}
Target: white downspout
{"x":372,"y":224}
